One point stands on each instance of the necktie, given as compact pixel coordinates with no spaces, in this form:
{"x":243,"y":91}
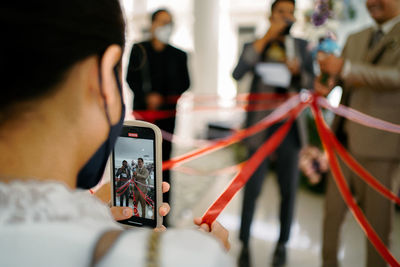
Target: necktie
{"x":375,"y":38}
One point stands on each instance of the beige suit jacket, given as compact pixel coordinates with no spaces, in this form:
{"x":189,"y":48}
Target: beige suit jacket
{"x":372,"y":86}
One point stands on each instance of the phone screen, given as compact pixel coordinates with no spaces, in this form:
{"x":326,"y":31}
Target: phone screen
{"x":134,"y":175}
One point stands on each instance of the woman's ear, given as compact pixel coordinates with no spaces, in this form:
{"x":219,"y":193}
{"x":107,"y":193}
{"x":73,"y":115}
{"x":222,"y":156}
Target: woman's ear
{"x":110,"y":59}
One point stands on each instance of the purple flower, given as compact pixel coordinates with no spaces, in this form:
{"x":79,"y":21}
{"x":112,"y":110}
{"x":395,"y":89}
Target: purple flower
{"x":318,"y":19}
{"x":321,"y":12}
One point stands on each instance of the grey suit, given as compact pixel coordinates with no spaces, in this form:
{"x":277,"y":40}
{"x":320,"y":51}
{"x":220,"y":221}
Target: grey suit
{"x":372,"y":86}
{"x":140,"y":189}
{"x":287,"y":153}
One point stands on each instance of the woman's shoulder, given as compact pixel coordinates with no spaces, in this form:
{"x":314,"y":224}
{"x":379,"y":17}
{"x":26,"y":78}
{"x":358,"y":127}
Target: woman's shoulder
{"x":62,"y":243}
{"x":52,"y":225}
{"x":177,"y":247}
{"x":47,"y":202}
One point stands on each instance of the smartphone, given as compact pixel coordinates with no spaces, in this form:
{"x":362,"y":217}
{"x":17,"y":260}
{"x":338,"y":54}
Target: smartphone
{"x":136,"y":173}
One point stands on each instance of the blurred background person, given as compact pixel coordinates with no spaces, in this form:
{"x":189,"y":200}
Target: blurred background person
{"x":295,"y":63}
{"x":158,"y":74}
{"x":369,"y":70}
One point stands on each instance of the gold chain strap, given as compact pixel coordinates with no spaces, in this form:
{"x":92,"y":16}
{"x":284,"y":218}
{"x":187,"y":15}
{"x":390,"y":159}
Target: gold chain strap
{"x":153,"y":253}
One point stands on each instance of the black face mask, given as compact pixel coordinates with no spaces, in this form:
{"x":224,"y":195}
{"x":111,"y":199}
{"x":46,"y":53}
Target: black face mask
{"x":90,"y":175}
{"x":286,"y":31}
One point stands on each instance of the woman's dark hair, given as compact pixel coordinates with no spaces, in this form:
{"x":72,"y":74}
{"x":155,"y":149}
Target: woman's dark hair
{"x":277,"y":1}
{"x":43,"y":39}
{"x":155,"y":13}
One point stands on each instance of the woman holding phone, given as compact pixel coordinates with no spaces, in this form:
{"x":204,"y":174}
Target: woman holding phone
{"x":61,"y":110}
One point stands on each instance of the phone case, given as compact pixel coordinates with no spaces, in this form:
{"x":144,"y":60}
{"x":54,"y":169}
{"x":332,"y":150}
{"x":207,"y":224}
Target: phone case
{"x":157,"y":162}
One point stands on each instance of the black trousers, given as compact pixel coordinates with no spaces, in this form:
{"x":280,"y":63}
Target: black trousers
{"x":287,"y":156}
{"x":124,"y":195}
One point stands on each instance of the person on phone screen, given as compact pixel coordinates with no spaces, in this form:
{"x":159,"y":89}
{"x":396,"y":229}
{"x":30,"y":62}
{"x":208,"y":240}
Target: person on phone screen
{"x":141,"y":175}
{"x":61,"y":112}
{"x":280,"y":64}
{"x":123,"y":177}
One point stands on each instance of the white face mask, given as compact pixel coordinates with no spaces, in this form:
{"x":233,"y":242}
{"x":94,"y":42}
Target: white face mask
{"x":163,"y":33}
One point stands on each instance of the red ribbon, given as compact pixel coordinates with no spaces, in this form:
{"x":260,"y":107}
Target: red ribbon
{"x":361,"y":171}
{"x":329,"y":141}
{"x":135,"y":209}
{"x":278,"y":114}
{"x":153,"y":115}
{"x":345,"y":192}
{"x":239,"y":97}
{"x":124,"y":186}
{"x":359,"y":117}
{"x":145,"y":197}
{"x":270,"y":101}
{"x":226,"y":170}
{"x":244,"y":175}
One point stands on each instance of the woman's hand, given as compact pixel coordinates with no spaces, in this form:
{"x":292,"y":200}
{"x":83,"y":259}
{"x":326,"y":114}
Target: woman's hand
{"x":330,"y":64}
{"x":165,"y":208}
{"x":216,"y":230}
{"x":123,"y":213}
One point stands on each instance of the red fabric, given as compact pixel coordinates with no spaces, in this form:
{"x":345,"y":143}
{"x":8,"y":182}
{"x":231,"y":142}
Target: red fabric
{"x":361,"y":172}
{"x":345,"y":192}
{"x":283,"y":111}
{"x":244,"y":175}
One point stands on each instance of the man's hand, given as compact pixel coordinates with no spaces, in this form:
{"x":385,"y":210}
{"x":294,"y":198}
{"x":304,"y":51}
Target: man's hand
{"x":216,"y":230}
{"x":278,"y":25}
{"x":313,"y":162}
{"x":165,"y":208}
{"x":330,"y":64}
{"x":123,"y":213}
{"x":322,"y":89}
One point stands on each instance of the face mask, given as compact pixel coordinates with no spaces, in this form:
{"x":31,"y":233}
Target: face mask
{"x":90,"y":175}
{"x":163,"y":33}
{"x":286,"y":31}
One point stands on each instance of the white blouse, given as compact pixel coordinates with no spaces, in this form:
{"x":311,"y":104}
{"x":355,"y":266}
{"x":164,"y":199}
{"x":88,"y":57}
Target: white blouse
{"x":46,"y":224}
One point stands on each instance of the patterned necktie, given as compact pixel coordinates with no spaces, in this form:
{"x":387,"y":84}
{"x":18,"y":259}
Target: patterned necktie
{"x":375,"y":38}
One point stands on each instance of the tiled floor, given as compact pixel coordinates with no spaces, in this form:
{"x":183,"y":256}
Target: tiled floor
{"x":192,"y":194}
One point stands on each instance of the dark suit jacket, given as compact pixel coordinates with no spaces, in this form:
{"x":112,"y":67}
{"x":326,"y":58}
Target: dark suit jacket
{"x":247,"y":62}
{"x":164,"y":72}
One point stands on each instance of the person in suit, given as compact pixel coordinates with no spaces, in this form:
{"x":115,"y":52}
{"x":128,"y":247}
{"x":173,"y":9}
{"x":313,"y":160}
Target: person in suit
{"x":278,"y":47}
{"x":369,"y":71}
{"x":123,"y":175}
{"x":158,"y":75}
{"x":141,"y":175}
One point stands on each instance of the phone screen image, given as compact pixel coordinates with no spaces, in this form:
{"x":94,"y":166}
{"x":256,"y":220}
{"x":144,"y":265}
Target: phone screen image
{"x":134,"y":174}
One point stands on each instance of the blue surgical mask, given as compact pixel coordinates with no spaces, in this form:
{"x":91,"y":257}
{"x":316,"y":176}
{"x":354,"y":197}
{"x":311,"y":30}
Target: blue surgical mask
{"x":90,"y":175}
